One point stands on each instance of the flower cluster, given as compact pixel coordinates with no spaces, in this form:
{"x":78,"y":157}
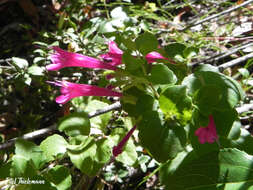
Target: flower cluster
{"x":61,"y":59}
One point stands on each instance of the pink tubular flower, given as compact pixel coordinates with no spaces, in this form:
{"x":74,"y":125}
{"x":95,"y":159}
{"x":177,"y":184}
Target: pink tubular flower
{"x":119,"y":148}
{"x":153,"y":56}
{"x":207,"y":134}
{"x":61,"y":59}
{"x":114,"y":56}
{"x":71,"y":90}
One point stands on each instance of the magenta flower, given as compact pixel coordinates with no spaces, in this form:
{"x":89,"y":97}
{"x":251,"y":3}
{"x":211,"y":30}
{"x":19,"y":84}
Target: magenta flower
{"x":61,"y":59}
{"x":119,"y":148}
{"x":114,"y":56}
{"x":71,"y":90}
{"x":207,"y":134}
{"x":153,"y":56}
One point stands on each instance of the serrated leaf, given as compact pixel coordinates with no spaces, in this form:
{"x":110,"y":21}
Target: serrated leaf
{"x":75,"y":124}
{"x":53,"y":146}
{"x":146,"y":43}
{"x":226,"y":170}
{"x":30,"y":151}
{"x":161,"y":74}
{"x":60,"y":177}
{"x":161,"y":140}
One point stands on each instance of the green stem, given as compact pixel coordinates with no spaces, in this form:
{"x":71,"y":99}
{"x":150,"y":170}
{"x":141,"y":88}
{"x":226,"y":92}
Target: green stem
{"x":149,"y":176}
{"x":155,"y":92}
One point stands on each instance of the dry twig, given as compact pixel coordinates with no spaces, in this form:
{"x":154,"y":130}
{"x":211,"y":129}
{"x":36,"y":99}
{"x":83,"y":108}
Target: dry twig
{"x":194,"y":23}
{"x":235,"y":61}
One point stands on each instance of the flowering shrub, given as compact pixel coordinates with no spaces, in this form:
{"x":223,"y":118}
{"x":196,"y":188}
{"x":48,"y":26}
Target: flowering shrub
{"x":185,"y":121}
{"x":173,"y":112}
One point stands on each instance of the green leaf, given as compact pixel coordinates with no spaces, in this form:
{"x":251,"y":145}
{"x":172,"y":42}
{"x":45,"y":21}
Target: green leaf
{"x":129,"y":154}
{"x":163,"y":141}
{"x":239,"y":138}
{"x":54,"y":146}
{"x":207,"y":67}
{"x":27,"y":79}
{"x":130,"y":98}
{"x":223,"y":121}
{"x":231,"y":91}
{"x":190,"y":52}
{"x":89,"y":155}
{"x":146,"y":103}
{"x":22,"y":167}
{"x":208,"y":98}
{"x":75,"y":124}
{"x":235,"y":131}
{"x":244,"y":72}
{"x":5,"y":170}
{"x":37,"y":60}
{"x":106,"y":27}
{"x":99,"y":122}
{"x":128,"y":43}
{"x":161,"y":74}
{"x":30,"y":151}
{"x":119,"y":13}
{"x":20,"y":63}
{"x":180,"y":70}
{"x":36,"y":70}
{"x":175,"y":104}
{"x":45,"y":184}
{"x":60,"y":177}
{"x":131,"y":62}
{"x":146,"y":43}
{"x":228,"y":169}
{"x":175,"y":51}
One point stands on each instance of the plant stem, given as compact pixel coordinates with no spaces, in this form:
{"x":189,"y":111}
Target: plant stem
{"x":155,"y":92}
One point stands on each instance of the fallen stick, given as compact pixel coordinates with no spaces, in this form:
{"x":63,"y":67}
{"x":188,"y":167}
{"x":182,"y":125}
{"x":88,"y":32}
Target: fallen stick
{"x":235,"y":62}
{"x":194,"y":23}
{"x":218,"y":56}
